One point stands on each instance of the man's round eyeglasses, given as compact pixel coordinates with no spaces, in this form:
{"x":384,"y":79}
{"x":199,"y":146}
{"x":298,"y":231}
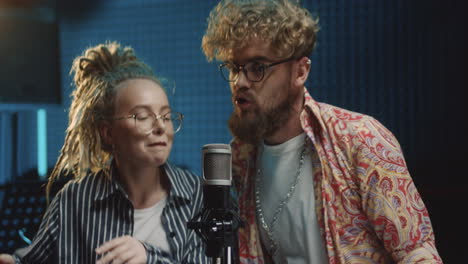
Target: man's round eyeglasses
{"x":146,"y":120}
{"x":254,"y":71}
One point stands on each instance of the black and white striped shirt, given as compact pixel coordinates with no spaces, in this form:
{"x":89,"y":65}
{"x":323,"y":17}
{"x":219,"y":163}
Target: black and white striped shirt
{"x":87,"y":213}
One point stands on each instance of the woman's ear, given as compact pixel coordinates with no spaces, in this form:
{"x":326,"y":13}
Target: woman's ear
{"x":302,"y":71}
{"x":105,"y":132}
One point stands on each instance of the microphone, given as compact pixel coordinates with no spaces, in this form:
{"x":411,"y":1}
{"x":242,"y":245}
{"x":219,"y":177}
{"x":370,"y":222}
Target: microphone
{"x":217,"y":177}
{"x":218,"y":220}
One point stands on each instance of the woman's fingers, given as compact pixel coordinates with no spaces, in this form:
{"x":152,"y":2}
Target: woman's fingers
{"x":124,"y":249}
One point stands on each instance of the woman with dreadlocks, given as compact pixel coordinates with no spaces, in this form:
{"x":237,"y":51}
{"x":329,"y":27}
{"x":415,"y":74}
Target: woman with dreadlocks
{"x":126,"y":203}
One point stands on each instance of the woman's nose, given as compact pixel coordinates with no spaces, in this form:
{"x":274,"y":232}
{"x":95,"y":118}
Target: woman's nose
{"x":159,"y":126}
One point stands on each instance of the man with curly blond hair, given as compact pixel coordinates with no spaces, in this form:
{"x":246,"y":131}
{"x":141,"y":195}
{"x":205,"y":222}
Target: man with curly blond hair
{"x":315,"y":183}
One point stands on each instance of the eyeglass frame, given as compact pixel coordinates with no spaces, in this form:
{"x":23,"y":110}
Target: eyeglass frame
{"x":240,"y":68}
{"x":156,"y":117}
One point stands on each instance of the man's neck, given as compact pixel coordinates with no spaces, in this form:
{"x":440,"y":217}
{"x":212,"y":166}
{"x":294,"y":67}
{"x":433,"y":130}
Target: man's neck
{"x":291,"y":129}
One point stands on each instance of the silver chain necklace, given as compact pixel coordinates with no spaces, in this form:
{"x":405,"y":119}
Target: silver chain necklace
{"x":258,"y":206}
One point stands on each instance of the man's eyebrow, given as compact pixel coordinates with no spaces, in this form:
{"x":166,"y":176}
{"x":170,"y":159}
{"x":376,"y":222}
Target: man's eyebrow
{"x":256,"y":58}
{"x":259,"y":58}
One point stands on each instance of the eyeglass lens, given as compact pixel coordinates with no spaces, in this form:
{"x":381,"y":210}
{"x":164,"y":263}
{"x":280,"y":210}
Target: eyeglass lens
{"x":254,"y":71}
{"x":145,"y":121}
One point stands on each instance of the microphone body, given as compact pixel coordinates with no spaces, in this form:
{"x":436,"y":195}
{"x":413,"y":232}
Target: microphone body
{"x":218,"y":221}
{"x":217,"y":176}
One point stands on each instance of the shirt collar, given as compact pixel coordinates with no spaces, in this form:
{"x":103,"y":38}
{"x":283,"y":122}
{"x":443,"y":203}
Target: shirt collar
{"x":110,"y":184}
{"x":176,"y":177}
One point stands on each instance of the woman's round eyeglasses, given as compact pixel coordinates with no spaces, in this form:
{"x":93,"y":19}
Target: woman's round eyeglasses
{"x":146,"y":120}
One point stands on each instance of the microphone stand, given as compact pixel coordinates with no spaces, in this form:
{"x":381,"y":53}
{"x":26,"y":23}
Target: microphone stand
{"x":217,"y":227}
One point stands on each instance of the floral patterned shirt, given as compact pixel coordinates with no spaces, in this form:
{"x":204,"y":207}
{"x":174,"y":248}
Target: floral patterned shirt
{"x":366,"y":203}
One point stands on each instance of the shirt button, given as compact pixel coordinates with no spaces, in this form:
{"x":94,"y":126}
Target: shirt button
{"x":172,"y":234}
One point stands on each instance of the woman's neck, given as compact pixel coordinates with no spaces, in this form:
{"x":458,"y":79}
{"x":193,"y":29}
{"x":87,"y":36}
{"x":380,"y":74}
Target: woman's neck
{"x":145,"y":186}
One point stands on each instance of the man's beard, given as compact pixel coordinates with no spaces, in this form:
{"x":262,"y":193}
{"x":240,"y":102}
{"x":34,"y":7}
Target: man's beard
{"x":262,"y":125}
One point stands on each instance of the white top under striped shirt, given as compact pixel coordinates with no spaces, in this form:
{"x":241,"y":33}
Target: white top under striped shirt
{"x":148,"y":226}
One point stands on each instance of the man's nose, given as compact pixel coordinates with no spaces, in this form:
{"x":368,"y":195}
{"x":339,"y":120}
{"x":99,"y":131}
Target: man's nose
{"x":241,"y":81}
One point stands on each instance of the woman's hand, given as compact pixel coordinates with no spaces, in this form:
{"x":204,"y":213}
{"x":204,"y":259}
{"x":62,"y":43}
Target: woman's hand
{"x":125,"y":249}
{"x":6,"y":259}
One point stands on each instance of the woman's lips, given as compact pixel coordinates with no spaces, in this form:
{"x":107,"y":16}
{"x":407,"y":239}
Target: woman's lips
{"x":157,"y":144}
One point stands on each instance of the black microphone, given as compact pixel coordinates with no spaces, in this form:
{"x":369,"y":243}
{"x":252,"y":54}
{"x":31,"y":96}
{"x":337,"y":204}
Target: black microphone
{"x":217,"y":177}
{"x":218,"y":220}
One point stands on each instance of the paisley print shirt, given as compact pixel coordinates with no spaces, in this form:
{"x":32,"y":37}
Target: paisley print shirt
{"x":366,"y":203}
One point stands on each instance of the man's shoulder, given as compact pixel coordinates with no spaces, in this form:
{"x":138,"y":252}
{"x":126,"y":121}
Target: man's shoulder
{"x":332,"y":112}
{"x":329,"y":113}
{"x":341,"y":120}
{"x":350,"y":126}
{"x":356,"y":127}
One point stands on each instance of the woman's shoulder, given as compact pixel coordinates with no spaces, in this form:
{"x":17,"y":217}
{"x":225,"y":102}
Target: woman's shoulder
{"x":86,"y":185}
{"x":181,"y":171}
{"x":182,"y":176}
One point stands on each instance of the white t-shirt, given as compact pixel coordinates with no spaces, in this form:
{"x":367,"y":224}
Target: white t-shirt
{"x":148,"y":227}
{"x":296,"y":229}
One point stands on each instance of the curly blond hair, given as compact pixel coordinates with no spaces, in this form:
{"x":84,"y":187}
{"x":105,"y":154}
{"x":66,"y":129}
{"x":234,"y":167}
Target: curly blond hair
{"x":96,"y":74}
{"x":290,"y":29}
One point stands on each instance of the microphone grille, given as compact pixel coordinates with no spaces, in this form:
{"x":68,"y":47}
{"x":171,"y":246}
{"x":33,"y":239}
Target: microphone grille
{"x":216,"y":164}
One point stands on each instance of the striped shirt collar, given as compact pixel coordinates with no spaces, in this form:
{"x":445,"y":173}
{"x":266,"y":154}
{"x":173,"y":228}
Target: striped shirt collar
{"x":109,"y":187}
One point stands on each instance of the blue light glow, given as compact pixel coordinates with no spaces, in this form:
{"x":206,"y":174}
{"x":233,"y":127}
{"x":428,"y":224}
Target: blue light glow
{"x":42,"y":143}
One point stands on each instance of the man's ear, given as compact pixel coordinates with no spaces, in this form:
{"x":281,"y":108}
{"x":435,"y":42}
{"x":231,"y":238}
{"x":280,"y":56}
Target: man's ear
{"x":105,"y":132}
{"x":302,"y":71}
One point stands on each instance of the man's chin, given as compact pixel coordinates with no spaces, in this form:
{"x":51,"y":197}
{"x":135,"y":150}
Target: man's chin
{"x":247,"y":116}
{"x":245,"y":127}
{"x":253,"y":125}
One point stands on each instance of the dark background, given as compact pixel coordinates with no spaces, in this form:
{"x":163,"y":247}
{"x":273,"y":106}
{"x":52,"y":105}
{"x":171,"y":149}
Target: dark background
{"x":402,"y":62}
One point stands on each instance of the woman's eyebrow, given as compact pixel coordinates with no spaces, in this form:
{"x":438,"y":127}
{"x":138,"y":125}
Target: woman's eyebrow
{"x":147,"y":107}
